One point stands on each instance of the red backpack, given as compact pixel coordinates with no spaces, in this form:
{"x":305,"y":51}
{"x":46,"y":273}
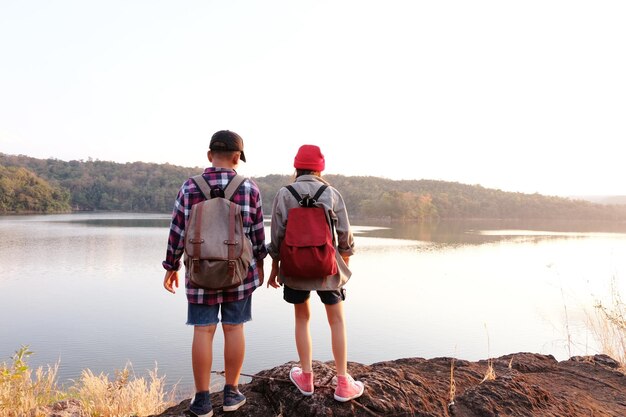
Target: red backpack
{"x":308,"y":249}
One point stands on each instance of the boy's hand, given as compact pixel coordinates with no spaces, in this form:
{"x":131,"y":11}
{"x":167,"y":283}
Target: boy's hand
{"x":260,"y":271}
{"x":170,"y":281}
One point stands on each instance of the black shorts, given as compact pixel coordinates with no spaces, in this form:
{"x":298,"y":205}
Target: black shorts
{"x":300,"y":296}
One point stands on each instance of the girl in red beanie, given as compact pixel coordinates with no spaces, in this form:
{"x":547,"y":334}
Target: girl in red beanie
{"x":309,"y":163}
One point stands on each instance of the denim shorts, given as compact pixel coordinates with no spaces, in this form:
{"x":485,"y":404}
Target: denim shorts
{"x":234,"y":312}
{"x":300,"y":296}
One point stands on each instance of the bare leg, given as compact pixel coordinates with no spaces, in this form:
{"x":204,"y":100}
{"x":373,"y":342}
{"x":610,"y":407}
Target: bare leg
{"x":339,"y":339}
{"x":234,"y":352}
{"x":303,"y":336}
{"x":202,"y":356}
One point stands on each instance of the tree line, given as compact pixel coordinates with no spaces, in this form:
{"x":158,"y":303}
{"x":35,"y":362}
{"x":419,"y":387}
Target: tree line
{"x":32,"y":185}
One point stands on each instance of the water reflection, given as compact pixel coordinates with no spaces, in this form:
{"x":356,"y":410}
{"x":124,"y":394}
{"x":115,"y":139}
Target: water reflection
{"x":121,"y":222}
{"x":476,"y":232}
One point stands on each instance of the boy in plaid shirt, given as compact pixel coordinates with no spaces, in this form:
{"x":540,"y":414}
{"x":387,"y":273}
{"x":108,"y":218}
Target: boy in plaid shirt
{"x":225,"y":152}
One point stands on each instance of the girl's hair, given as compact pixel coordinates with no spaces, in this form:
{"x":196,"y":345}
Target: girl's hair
{"x":300,"y":172}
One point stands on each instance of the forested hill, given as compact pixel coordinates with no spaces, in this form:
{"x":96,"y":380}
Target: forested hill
{"x":51,"y":185}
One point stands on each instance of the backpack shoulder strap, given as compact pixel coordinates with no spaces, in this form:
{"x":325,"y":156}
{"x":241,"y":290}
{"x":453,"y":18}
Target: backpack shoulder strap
{"x":233,"y":186}
{"x":307,"y":201}
{"x":301,"y":199}
{"x":202,"y":186}
{"x":319,"y":192}
{"x":294,"y":193}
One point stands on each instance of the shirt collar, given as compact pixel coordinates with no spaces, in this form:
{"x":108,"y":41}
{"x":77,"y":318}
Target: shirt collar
{"x":311,"y":178}
{"x":217,"y":169}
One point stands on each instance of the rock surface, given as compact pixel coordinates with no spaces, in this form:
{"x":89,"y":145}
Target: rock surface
{"x":525,"y":385}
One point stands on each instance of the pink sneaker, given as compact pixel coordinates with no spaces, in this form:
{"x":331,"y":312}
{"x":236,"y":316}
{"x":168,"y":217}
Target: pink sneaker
{"x":348,"y":389}
{"x":302,"y":380}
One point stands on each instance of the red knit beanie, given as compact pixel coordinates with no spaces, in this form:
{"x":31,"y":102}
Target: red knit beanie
{"x":309,"y":157}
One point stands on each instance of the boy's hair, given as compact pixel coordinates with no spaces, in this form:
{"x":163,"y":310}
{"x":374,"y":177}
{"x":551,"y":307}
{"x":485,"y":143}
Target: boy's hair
{"x":220,"y":154}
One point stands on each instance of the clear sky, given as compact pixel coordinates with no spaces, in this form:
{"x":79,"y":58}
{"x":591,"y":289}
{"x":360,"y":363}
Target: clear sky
{"x":525,"y":96}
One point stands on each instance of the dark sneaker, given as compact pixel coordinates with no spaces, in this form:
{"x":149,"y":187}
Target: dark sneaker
{"x":233,"y":399}
{"x":201,"y":404}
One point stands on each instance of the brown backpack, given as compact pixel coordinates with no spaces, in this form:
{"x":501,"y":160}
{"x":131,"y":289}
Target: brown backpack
{"x":217,"y":251}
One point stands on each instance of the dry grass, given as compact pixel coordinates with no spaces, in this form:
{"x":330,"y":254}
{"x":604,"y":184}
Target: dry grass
{"x":25,"y":394}
{"x":608,"y":325}
{"x":21,"y":392}
{"x":567,"y":329}
{"x":125,"y":395}
{"x":452,"y":392}
{"x":490,"y":373}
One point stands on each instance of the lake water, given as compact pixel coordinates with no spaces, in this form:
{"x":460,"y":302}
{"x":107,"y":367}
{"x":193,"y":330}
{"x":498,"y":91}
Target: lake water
{"x":85,"y":290}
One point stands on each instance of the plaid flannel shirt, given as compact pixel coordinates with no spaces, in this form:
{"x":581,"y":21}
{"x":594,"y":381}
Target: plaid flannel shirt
{"x":249,"y":198}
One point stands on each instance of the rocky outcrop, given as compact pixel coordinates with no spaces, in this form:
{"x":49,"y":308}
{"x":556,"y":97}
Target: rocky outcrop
{"x":525,"y":384}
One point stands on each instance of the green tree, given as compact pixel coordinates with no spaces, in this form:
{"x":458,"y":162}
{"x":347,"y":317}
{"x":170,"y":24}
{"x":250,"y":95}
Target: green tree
{"x":22,"y":191}
{"x":147,"y":187}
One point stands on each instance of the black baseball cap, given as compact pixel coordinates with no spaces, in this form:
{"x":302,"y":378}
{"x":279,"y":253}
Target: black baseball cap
{"x":226,"y":140}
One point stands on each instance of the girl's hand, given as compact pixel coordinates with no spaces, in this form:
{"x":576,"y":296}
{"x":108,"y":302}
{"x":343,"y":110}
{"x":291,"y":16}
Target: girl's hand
{"x":273,"y":275}
{"x":271,"y":282}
